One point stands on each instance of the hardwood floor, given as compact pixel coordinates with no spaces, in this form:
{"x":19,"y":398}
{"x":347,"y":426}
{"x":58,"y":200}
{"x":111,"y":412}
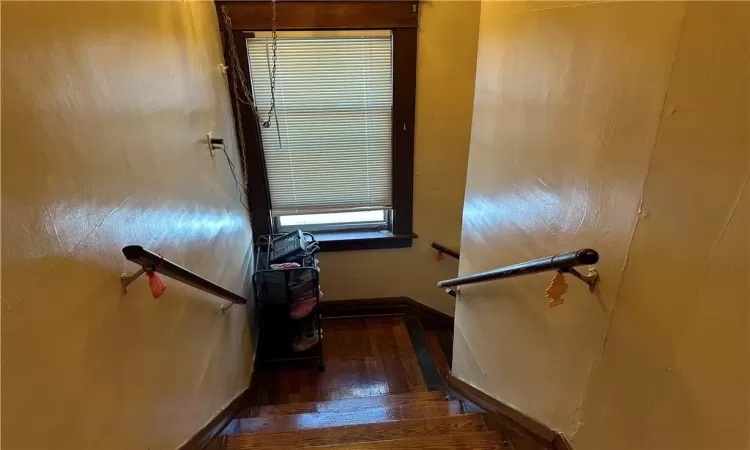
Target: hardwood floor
{"x":291,"y":422}
{"x":441,"y":362}
{"x":422,"y":420}
{"x":353,"y":404}
{"x":446,"y":425}
{"x":382,"y":389}
{"x":364,"y":357}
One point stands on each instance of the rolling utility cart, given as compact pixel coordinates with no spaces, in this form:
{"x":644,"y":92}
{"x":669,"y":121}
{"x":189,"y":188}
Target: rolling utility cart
{"x":287,"y":299}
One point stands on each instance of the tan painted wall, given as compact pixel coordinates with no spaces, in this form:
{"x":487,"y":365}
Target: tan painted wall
{"x":622,"y":127}
{"x":445,"y":85}
{"x":105,"y":110}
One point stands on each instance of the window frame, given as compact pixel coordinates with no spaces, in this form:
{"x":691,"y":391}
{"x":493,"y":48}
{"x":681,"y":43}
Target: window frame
{"x":401,"y":18}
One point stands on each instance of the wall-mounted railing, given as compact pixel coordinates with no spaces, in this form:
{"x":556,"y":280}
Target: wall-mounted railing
{"x":563,"y":262}
{"x":444,"y":250}
{"x":152,"y":262}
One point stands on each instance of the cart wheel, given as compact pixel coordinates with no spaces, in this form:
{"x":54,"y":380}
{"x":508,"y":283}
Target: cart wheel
{"x":321,"y":367}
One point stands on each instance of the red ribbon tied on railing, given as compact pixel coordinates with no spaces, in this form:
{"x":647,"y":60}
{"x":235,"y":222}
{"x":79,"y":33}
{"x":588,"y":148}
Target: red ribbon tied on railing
{"x":157,"y":286}
{"x":154,"y":282}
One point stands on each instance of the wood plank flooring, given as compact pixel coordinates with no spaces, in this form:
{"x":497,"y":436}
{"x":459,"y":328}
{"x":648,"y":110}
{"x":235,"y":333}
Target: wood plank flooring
{"x":306,"y":421}
{"x":364,"y":357}
{"x":480,"y":440}
{"x":441,"y":362}
{"x":382,"y":389}
{"x":355,"y":404}
{"x":436,"y":426}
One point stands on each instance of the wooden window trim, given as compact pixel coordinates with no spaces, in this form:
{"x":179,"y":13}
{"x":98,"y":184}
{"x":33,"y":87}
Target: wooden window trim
{"x":246,"y":17}
{"x":402,"y":133}
{"x":321,"y":15}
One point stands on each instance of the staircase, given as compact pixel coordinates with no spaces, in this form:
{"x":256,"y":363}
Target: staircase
{"x":416,"y":420}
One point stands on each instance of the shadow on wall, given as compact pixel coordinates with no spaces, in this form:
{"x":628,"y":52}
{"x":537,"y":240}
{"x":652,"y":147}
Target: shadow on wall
{"x":105,"y":118}
{"x":75,"y":336}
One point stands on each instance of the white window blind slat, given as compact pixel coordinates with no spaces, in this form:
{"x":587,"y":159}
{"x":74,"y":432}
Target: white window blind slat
{"x":329,"y":144}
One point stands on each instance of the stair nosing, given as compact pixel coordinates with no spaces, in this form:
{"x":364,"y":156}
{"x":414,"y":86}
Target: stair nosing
{"x":450,"y":404}
{"x":266,"y":434}
{"x":491,"y":435}
{"x":430,"y":396}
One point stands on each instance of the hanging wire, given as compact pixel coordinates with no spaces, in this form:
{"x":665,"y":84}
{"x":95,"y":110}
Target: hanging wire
{"x":237,"y":184}
{"x":238,"y":75}
{"x":274,"y":58}
{"x":240,"y":86}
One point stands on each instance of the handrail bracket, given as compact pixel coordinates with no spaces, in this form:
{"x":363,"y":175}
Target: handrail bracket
{"x":152,"y":263}
{"x":591,"y":278}
{"x":126,"y":279}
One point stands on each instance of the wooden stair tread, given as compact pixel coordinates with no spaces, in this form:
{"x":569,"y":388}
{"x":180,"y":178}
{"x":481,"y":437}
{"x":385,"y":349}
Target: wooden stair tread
{"x":292,"y":422}
{"x":478,"y":440}
{"x":350,"y":404}
{"x":436,"y":426}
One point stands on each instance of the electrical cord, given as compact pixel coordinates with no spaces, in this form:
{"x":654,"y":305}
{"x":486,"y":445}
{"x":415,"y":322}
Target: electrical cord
{"x":237,"y":184}
{"x":242,"y":95}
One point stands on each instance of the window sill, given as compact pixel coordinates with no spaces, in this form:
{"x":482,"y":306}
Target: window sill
{"x":341,"y":241}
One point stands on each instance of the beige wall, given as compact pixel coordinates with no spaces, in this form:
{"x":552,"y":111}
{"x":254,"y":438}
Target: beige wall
{"x":622,"y":127}
{"x":105,"y":110}
{"x":445,"y":85}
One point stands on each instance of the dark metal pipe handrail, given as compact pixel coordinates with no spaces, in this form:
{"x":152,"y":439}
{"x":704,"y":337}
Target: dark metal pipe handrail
{"x":153,"y":262}
{"x":563,"y":262}
{"x":445,"y":250}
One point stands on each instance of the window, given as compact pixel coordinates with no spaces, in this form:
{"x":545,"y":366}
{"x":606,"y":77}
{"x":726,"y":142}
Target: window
{"x":337,"y":157}
{"x":352,"y":220}
{"x":327,"y":148}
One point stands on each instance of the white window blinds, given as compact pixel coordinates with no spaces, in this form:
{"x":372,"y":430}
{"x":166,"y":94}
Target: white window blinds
{"x":329,"y":144}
